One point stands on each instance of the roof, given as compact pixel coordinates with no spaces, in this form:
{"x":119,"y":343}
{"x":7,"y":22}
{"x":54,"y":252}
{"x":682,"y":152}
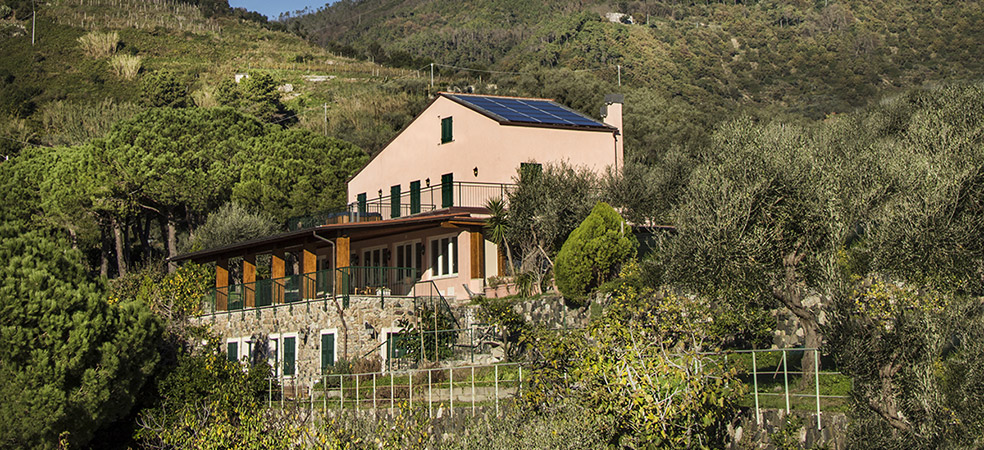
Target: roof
{"x":455,"y":216}
{"x":527,"y":111}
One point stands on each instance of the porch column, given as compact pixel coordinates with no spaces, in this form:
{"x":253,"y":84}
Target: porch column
{"x":222,"y":284}
{"x":278,"y":272}
{"x":342,"y":249}
{"x":249,"y":280}
{"x":309,"y":265}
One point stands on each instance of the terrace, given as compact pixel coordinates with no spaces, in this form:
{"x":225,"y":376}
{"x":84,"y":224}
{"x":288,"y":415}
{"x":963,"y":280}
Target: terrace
{"x":417,"y":200}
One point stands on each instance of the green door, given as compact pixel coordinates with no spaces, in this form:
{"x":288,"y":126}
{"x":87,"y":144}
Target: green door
{"x":232,"y":351}
{"x":327,"y":352}
{"x":290,"y":348}
{"x":395,"y":201}
{"x":362,"y":203}
{"x":415,"y":197}
{"x":447,"y":192}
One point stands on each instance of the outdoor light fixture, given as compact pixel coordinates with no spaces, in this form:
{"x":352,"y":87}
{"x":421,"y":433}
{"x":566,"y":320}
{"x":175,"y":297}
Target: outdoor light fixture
{"x":428,"y":181}
{"x":380,"y":193}
{"x":476,"y":171}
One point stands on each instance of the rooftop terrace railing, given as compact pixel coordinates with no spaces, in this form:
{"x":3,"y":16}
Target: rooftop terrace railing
{"x":402,"y":203}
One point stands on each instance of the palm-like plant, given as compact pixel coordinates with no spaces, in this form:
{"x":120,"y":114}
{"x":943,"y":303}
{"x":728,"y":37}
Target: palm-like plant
{"x":497,"y":226}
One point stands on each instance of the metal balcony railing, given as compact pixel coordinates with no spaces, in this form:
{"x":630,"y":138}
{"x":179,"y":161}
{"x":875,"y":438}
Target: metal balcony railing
{"x":405,"y":203}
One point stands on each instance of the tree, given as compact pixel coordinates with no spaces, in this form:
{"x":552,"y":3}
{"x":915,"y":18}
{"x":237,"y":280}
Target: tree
{"x":756,"y":217}
{"x":594,"y":252}
{"x":163,"y":89}
{"x":256,"y":96}
{"x":177,"y":162}
{"x":233,"y":223}
{"x":544,"y":208}
{"x":291,"y":173}
{"x":71,"y":361}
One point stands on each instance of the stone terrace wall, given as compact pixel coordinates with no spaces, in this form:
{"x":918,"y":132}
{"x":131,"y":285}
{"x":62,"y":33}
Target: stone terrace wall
{"x":307,"y":319}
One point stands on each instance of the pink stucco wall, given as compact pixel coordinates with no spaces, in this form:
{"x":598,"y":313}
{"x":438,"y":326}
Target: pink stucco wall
{"x":479,"y":141}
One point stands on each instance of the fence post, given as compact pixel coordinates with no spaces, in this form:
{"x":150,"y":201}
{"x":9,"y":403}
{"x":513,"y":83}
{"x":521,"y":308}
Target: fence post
{"x":785,"y":376}
{"x":341,"y":393}
{"x":357,"y":394}
{"x":451,"y":390}
{"x":392,"y":378}
{"x":324,"y":391}
{"x":496,"y":378}
{"x":269,"y":392}
{"x":755,"y":383}
{"x":816,"y":375}
{"x":430,"y":395}
{"x":411,"y":389}
{"x":473,"y":390}
{"x":373,"y":394}
{"x":520,"y":390}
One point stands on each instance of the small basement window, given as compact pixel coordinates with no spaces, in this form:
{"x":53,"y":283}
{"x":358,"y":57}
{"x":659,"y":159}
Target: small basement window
{"x":447,"y":135}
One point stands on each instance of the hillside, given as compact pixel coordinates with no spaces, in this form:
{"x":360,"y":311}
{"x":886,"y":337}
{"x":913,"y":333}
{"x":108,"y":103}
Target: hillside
{"x":810,"y":58}
{"x":57,"y":93}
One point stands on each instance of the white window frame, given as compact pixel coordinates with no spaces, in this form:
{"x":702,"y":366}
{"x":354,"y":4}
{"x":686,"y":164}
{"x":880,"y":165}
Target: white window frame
{"x":334,"y":351}
{"x":434,"y":271}
{"x":242,"y":348}
{"x":280,"y":359}
{"x":274,"y":353}
{"x":384,"y":347}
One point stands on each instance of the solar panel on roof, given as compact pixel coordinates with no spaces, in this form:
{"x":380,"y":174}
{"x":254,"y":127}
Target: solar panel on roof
{"x":529,"y":111}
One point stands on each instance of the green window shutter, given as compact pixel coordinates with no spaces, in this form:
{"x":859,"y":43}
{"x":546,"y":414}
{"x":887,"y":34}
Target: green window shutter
{"x":232,"y":351}
{"x":447,"y":126}
{"x":290,"y":349}
{"x":415,"y":197}
{"x":447,"y":190}
{"x":395,"y":201}
{"x":362,"y":203}
{"x":327,"y":351}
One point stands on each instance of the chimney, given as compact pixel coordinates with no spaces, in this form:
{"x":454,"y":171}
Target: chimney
{"x":612,"y":115}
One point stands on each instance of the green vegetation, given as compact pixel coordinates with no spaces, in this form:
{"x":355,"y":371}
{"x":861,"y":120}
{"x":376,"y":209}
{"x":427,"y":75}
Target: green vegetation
{"x":75,"y":362}
{"x":593,"y":253}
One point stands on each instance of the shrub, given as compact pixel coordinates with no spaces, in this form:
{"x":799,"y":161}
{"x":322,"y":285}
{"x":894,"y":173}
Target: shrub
{"x":163,"y":89}
{"x":125,"y":66}
{"x":593,"y":253}
{"x":99,"y":45}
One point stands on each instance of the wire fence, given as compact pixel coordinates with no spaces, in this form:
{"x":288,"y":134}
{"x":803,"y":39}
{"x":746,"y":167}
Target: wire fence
{"x":456,"y":390}
{"x":774,"y":377}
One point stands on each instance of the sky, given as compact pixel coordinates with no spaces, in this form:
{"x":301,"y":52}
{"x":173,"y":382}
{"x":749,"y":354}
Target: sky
{"x":272,"y":9}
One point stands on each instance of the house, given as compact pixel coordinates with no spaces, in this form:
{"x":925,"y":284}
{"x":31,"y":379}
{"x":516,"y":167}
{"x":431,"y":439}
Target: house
{"x":343,"y":285}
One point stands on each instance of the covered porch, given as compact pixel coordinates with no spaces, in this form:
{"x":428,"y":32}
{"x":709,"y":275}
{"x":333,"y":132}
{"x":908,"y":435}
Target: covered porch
{"x":440,"y":254}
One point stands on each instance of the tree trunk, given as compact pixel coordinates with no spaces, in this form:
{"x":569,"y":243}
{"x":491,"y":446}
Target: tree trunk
{"x":791,"y":294}
{"x":885,"y":403}
{"x":172,"y":240}
{"x":103,"y":253}
{"x":118,"y":239}
{"x":147,"y":252}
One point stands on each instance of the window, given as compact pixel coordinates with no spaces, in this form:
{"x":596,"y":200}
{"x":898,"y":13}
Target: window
{"x":290,"y":353}
{"x":444,"y":256}
{"x":408,"y":256}
{"x":446,"y":130}
{"x":273,"y":352}
{"x":232,"y":351}
{"x":327,"y":350}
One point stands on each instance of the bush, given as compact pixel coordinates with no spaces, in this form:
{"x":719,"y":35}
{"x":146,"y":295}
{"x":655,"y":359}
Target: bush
{"x":125,"y":66}
{"x":593,"y":253}
{"x":99,"y":45}
{"x":163,"y":89}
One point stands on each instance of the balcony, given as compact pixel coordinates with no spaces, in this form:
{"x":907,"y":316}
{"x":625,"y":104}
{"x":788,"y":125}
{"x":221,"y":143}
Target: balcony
{"x":401,"y":203}
{"x":342,"y":283}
